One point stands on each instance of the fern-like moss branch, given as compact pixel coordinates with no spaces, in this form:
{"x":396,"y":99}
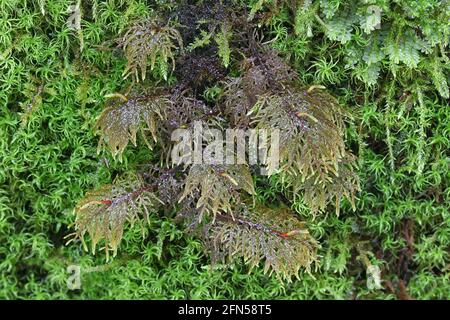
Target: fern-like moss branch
{"x":147,"y":40}
{"x":274,"y":236}
{"x":120,"y":121}
{"x":103,"y":212}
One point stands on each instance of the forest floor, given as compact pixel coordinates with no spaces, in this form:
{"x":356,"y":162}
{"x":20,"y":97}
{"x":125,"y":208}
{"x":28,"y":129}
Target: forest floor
{"x":53,"y":80}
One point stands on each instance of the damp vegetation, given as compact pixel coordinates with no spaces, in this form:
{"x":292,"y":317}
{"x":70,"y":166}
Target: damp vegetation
{"x":268,"y":95}
{"x":355,"y":205}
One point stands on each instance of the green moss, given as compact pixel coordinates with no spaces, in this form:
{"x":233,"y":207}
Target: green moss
{"x":396,"y":88}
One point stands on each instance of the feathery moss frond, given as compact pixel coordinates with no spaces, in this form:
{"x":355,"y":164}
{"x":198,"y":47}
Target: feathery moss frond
{"x":262,"y":72}
{"x":310,"y":121}
{"x":223,"y":42}
{"x":102,"y":213}
{"x":310,"y":126}
{"x":274,"y":236}
{"x":123,"y":117}
{"x":148,"y":40}
{"x":311,"y":151}
{"x":318,"y":192}
{"x":217,"y":187}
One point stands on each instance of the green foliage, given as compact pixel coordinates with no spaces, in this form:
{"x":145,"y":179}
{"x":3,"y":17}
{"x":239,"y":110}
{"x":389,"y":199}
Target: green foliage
{"x":123,"y":117}
{"x":382,"y":37}
{"x":217,"y":186}
{"x":255,"y":236}
{"x":102,"y":213}
{"x":312,"y":150}
{"x":146,"y":40}
{"x":215,"y":21}
{"x":223,"y":43}
{"x":242,"y":93}
{"x":401,"y":117}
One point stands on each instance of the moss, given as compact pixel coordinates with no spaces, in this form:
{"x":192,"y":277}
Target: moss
{"x":396,"y":88}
